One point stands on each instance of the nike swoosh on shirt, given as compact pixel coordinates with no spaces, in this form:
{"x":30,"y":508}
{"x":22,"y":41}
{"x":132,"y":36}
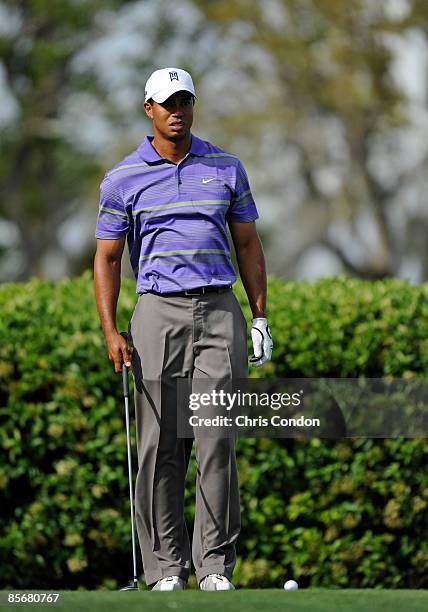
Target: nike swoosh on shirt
{"x":207,"y":180}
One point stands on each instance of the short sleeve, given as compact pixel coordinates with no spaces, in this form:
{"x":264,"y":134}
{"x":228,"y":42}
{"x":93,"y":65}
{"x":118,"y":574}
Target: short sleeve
{"x":113,"y":220}
{"x":242,"y":206}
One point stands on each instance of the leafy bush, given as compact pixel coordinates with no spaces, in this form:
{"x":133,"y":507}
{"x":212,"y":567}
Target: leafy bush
{"x":347,"y":513}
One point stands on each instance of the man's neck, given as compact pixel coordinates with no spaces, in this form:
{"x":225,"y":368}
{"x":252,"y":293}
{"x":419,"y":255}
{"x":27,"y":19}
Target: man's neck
{"x":174,"y":151}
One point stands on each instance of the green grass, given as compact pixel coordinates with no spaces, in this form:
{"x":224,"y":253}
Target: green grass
{"x":242,"y":600}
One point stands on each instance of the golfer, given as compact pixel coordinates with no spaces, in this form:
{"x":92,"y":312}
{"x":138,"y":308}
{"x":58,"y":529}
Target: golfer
{"x":172,"y":199}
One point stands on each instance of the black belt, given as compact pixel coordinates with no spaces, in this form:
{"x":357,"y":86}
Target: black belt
{"x":193,"y":292}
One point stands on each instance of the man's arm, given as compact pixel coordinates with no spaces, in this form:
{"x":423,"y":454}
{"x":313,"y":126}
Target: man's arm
{"x":107,"y":267}
{"x":252,"y":268}
{"x":251,"y":263}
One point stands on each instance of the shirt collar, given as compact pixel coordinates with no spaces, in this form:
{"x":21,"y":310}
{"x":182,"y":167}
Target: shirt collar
{"x":149,"y":154}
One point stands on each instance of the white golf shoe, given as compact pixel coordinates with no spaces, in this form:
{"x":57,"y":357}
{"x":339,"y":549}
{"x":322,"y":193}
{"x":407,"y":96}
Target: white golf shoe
{"x":216,"y":582}
{"x":171,"y":583}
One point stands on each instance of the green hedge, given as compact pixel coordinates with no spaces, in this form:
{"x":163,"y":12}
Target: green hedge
{"x":347,"y":513}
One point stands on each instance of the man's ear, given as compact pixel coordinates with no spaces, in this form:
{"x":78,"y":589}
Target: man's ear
{"x":148,"y":110}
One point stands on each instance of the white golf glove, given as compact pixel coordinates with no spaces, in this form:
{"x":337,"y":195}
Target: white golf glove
{"x":262,"y":342}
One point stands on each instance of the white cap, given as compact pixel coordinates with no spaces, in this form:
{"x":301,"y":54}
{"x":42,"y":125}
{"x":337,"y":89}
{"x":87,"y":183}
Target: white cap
{"x":161,"y":84}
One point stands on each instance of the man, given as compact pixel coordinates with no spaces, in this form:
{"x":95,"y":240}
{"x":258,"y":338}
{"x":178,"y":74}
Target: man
{"x":173,"y":198}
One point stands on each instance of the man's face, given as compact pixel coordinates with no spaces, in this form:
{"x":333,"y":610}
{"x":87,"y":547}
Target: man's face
{"x":174,"y":117}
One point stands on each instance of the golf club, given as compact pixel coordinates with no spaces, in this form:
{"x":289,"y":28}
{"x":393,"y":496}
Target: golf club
{"x":134,"y":586}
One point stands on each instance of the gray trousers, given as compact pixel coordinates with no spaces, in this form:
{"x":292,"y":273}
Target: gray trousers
{"x":194,"y":337}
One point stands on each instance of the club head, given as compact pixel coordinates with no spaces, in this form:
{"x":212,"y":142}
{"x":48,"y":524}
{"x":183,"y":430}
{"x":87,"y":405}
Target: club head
{"x":131,"y":587}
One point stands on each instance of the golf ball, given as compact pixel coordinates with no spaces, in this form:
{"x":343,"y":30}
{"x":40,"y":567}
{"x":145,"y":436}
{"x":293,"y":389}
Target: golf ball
{"x":291,"y":585}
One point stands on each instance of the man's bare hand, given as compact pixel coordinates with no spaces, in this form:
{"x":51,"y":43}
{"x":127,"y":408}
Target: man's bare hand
{"x":118,"y":350}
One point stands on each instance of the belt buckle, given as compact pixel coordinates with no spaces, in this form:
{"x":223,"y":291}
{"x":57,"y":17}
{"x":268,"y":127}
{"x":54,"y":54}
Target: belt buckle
{"x":190,"y":292}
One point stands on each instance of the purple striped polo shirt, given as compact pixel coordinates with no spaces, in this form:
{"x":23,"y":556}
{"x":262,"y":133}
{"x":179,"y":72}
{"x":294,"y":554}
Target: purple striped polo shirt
{"x":175,"y":216}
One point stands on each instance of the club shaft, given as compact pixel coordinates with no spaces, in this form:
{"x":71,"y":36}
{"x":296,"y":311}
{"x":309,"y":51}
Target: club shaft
{"x":131,"y":496}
